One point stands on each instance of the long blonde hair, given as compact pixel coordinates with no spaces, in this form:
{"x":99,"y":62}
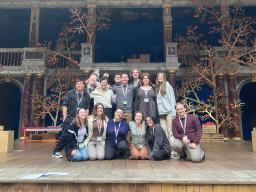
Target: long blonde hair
{"x":161,"y":87}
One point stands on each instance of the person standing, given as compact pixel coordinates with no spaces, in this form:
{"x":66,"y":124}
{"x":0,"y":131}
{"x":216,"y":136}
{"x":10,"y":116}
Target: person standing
{"x":104,"y":95}
{"x":117,"y":129}
{"x":187,"y":132}
{"x":97,"y":125}
{"x":165,"y":104}
{"x":135,"y":77}
{"x":124,"y":97}
{"x":145,"y":98}
{"x":76,"y":143}
{"x":73,"y":100}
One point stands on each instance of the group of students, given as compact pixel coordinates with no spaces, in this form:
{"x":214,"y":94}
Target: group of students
{"x":124,"y":121}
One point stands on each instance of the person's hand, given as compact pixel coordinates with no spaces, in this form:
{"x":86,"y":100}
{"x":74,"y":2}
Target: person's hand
{"x":73,"y":152}
{"x":185,"y":140}
{"x":192,"y":145}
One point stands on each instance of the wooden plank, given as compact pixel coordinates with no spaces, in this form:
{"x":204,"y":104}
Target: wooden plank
{"x":154,"y":187}
{"x":6,"y":141}
{"x":205,"y":188}
{"x":180,"y":188}
{"x":232,"y":188}
{"x":193,"y":188}
{"x":245,"y":188}
{"x":219,"y":188}
{"x":117,"y":187}
{"x":167,"y":188}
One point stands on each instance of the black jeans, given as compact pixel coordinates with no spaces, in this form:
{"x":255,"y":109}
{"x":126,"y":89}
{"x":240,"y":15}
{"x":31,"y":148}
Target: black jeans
{"x":108,"y":112}
{"x":118,"y":151}
{"x":61,"y":143}
{"x":161,"y":155}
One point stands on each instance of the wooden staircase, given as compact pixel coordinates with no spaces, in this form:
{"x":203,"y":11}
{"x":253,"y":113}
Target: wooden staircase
{"x":212,"y":137}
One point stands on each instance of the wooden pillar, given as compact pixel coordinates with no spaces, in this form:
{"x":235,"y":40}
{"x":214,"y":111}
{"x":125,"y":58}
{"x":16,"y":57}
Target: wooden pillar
{"x":91,"y":34}
{"x":220,"y":82}
{"x":167,"y":21}
{"x":34,"y":26}
{"x":172,"y":79}
{"x":38,"y":89}
{"x":232,"y":96}
{"x":26,"y":107}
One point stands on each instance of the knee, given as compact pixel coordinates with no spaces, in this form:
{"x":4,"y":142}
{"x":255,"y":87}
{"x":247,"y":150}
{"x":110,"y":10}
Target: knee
{"x":135,"y":157}
{"x":100,"y":156}
{"x":92,"y":157}
{"x":109,"y":157}
{"x":143,"y":157}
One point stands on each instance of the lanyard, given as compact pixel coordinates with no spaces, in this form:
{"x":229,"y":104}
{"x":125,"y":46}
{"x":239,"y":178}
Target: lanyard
{"x":126,"y":90}
{"x":99,"y":124}
{"x":79,"y":100}
{"x":152,"y":131}
{"x":146,"y":93}
{"x":183,"y":126}
{"x":117,"y":130}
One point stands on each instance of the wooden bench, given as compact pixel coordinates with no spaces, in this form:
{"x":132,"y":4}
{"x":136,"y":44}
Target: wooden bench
{"x":39,"y":129}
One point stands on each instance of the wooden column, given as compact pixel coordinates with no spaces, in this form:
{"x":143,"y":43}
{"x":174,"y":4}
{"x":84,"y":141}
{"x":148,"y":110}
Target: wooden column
{"x":34,"y":26}
{"x":38,"y":89}
{"x":91,"y":35}
{"x":26,"y":107}
{"x":167,"y":21}
{"x":220,"y":81}
{"x":232,"y":96}
{"x":172,"y":79}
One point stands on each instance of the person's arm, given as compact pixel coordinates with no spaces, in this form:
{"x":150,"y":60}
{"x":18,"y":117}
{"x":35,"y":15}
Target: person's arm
{"x":175,"y":131}
{"x":159,"y":137}
{"x":64,"y":112}
{"x":171,"y":97}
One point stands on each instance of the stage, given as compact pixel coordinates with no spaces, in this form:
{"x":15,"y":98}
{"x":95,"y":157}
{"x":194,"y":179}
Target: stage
{"x":229,"y":166}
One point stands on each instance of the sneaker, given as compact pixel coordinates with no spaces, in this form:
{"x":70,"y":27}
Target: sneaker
{"x":57,"y":155}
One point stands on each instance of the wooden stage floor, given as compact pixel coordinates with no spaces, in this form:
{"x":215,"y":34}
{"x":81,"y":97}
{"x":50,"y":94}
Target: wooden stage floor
{"x":226,"y":163}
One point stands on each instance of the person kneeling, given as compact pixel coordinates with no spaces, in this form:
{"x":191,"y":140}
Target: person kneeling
{"x":116,"y":144}
{"x":157,"y":143}
{"x":187,"y":132}
{"x":75,"y":146}
{"x":137,"y":128}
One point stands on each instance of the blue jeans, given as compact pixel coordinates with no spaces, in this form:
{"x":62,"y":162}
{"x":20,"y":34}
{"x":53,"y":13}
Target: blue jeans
{"x":81,"y":155}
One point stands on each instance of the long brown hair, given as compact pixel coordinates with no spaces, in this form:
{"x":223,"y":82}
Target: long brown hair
{"x":77,"y":119}
{"x":141,"y":79}
{"x":161,"y":87}
{"x":94,"y":111}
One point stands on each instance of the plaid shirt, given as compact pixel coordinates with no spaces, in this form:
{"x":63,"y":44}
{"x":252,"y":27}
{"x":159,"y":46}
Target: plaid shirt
{"x":71,"y":101}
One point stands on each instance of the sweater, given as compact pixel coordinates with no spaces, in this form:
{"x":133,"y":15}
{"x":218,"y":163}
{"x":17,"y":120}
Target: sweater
{"x":193,"y":129}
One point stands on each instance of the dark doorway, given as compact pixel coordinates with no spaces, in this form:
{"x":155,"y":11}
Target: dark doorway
{"x":10,"y":102}
{"x":248,"y":95}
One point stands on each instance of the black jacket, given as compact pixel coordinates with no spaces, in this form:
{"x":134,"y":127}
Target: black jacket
{"x":161,"y":141}
{"x":71,"y":139}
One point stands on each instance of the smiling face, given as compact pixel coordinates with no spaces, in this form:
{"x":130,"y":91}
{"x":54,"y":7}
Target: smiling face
{"x":180,"y":109}
{"x":161,"y":77}
{"x":99,"y":110}
{"x":79,"y":86}
{"x":135,"y":74}
{"x":149,"y":122}
{"x":104,"y":84}
{"x":82,"y":114}
{"x":145,"y":80}
{"x":118,"y":114}
{"x":138,"y":117}
{"x":125,"y":78}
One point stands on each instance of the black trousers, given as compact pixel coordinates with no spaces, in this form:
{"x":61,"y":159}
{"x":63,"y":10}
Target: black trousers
{"x":61,"y":143}
{"x":118,"y":151}
{"x":161,"y":155}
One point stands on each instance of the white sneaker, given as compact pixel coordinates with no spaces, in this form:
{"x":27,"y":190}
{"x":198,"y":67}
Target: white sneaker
{"x":57,"y":155}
